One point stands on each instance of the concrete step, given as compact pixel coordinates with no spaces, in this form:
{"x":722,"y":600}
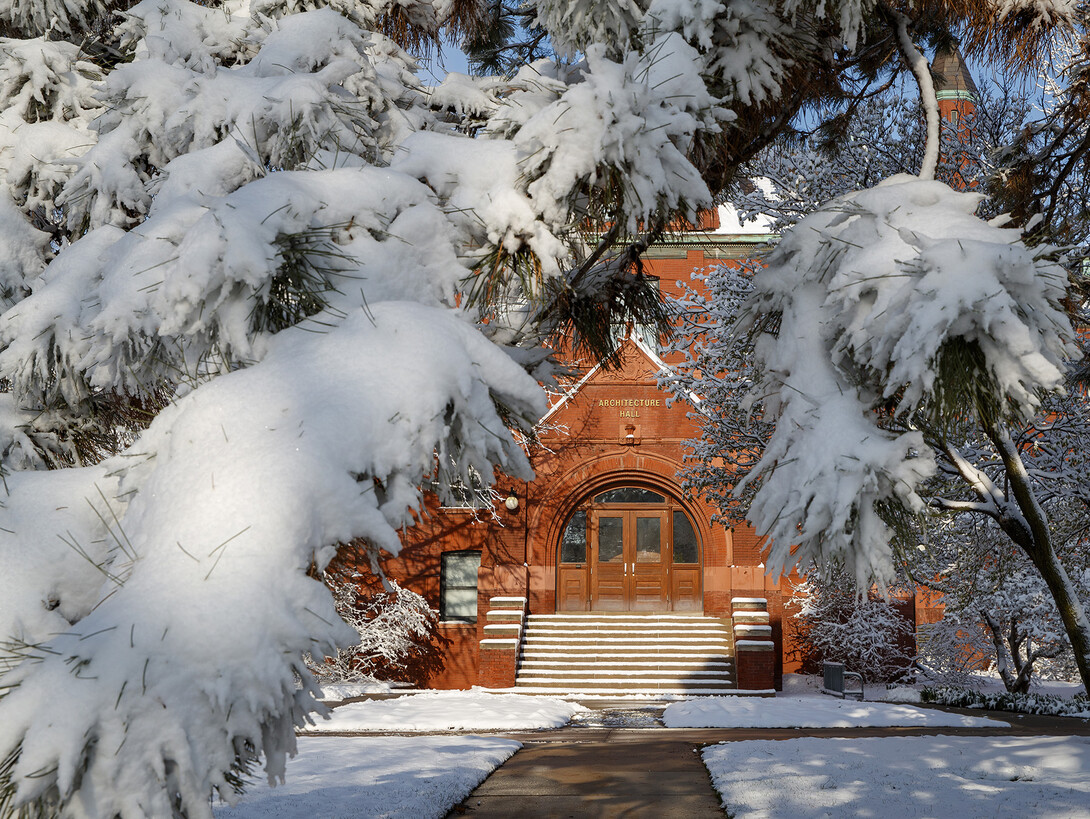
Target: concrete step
{"x":633,"y":620}
{"x":629,"y":685}
{"x":633,"y":662}
{"x":630,"y":633}
{"x":593,"y":689}
{"x":589,"y":652}
{"x":627,"y":653}
{"x":622,"y":615}
{"x":605,"y":641}
{"x":534,"y":677}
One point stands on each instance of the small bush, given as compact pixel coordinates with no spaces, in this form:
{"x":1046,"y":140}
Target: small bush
{"x":1047,"y":704}
{"x":399,"y":636}
{"x":838,"y":623}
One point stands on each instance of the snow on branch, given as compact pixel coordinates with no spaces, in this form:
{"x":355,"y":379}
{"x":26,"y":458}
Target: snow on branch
{"x":892,"y":301}
{"x":928,"y":100}
{"x":232,"y":493}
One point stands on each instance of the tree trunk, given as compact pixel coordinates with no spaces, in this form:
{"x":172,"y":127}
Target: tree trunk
{"x":1023,"y":667}
{"x":1071,"y":609}
{"x":1037,"y":544}
{"x":1002,"y":658}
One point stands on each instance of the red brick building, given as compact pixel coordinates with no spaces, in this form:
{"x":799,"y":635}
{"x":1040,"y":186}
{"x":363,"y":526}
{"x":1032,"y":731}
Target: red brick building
{"x":604,"y":527}
{"x":604,"y":543}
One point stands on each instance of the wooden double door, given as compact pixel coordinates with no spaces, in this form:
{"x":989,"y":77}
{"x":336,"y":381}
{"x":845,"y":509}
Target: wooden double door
{"x":628,"y":565}
{"x":629,"y":558}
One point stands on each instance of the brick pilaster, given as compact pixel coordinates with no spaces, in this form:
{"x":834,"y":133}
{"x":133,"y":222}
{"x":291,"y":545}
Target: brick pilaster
{"x":754,"y":650}
{"x":500,"y":647}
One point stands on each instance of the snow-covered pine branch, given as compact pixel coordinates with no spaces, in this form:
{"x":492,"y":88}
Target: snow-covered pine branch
{"x":258,"y":234}
{"x":891,"y":302}
{"x":260,"y":230}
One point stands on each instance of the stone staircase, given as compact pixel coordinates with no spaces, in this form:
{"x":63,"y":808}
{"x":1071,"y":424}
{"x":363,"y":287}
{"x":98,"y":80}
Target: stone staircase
{"x":626,"y":653}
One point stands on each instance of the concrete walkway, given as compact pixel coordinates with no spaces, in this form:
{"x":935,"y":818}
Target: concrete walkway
{"x":618,"y":776}
{"x":622,"y":763}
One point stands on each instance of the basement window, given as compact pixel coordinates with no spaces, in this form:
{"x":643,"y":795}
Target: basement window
{"x":458,"y":586}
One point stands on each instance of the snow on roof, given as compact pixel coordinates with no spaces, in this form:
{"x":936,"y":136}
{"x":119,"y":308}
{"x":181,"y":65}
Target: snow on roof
{"x":729,"y":223}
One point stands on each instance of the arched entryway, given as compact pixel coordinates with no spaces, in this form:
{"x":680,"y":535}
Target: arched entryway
{"x":629,"y":548}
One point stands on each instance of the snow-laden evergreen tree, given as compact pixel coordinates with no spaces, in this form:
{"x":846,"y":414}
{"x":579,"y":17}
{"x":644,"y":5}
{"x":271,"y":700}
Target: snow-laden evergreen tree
{"x":892,"y":326}
{"x":999,"y":610}
{"x":249,"y":261}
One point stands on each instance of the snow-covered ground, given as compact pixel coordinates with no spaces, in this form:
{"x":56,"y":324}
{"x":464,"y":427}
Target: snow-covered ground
{"x":335,"y":692}
{"x":450,"y":711}
{"x":425,"y":776}
{"x":992,"y":683}
{"x":809,"y":712}
{"x":967,"y":777}
{"x":350,"y":777}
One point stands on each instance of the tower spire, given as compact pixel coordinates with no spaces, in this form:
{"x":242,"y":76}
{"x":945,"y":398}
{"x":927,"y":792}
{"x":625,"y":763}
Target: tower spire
{"x":954,"y":85}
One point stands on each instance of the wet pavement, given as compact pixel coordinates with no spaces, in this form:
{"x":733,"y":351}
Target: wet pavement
{"x":646,"y":716}
{"x":619,"y":762}
{"x":653,"y":777}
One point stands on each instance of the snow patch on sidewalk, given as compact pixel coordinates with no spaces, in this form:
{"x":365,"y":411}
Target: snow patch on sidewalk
{"x":809,"y":712}
{"x":335,"y":692}
{"x":450,"y":711}
{"x":967,"y":777}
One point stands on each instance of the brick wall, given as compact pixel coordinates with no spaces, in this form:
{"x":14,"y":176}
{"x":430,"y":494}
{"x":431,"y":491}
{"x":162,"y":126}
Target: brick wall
{"x":755,"y":654}
{"x":498,"y":664}
{"x":756,"y":668}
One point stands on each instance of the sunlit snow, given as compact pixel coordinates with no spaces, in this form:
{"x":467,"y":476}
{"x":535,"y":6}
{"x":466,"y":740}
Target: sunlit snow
{"x":410,"y":777}
{"x":967,"y":777}
{"x":451,"y":711}
{"x":808,"y":712}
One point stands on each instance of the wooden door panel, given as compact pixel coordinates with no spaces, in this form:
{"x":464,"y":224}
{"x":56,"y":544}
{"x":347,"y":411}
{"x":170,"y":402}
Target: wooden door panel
{"x":685,"y":589}
{"x":648,"y":592}
{"x":610,"y":591}
{"x":647,"y":554}
{"x":608,"y":568}
{"x":571,"y":589}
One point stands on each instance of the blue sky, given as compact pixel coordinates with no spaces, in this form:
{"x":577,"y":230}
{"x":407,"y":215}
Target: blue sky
{"x":451,"y":59}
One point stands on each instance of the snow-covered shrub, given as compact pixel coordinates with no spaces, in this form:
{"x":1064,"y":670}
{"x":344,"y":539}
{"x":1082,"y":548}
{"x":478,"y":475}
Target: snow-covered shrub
{"x":835,"y":622}
{"x":1001,"y":617}
{"x":1028,"y":703}
{"x":399,"y":638}
{"x":954,"y":650}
